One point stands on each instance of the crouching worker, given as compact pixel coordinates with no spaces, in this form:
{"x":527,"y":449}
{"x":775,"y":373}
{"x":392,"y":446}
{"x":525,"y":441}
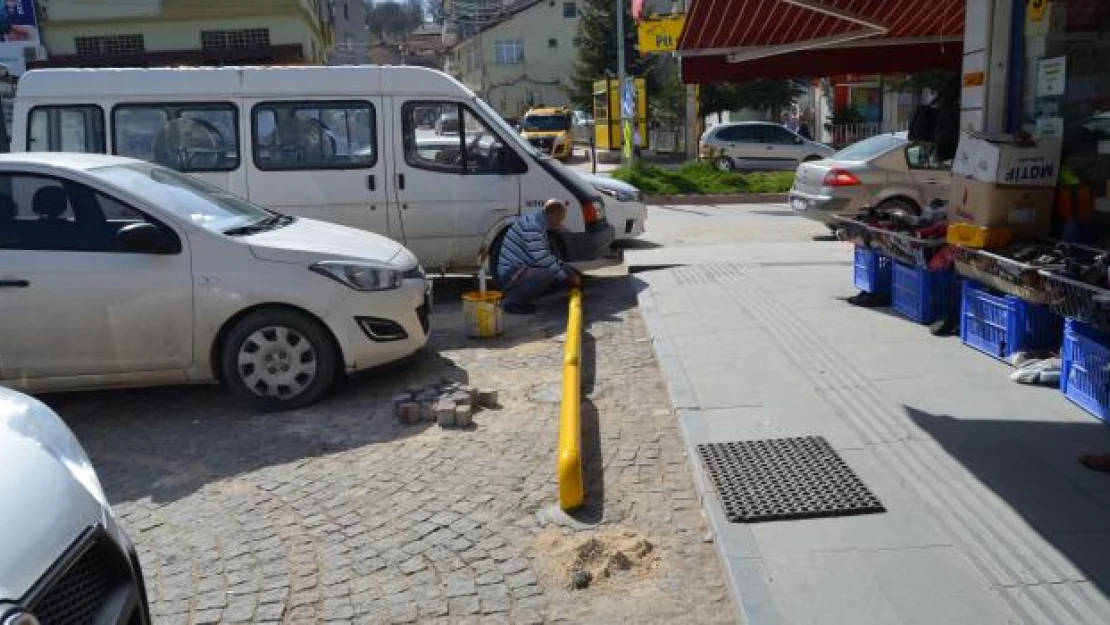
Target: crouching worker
{"x":526,"y":267}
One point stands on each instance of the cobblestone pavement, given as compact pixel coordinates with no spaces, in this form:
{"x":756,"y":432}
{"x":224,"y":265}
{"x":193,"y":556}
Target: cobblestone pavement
{"x":338,"y":513}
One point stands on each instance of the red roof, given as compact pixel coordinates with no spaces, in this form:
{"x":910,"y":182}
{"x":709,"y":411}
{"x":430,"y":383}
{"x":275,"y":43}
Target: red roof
{"x":780,"y":38}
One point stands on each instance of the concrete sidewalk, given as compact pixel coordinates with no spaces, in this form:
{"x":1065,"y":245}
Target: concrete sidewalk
{"x":989,"y":518}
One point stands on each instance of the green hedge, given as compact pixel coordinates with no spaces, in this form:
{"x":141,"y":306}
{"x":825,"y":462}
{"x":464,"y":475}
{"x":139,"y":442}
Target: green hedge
{"x":695,"y":178}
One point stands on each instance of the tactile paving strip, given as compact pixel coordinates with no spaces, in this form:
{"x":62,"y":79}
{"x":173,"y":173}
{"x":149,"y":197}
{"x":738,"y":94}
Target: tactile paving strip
{"x":786,"y":478}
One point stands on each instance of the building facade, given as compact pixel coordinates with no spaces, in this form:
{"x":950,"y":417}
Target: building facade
{"x":524,"y":60}
{"x":351,"y":33}
{"x":147,"y":33}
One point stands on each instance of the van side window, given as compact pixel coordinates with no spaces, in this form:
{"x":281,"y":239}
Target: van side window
{"x":314,"y":135}
{"x":78,"y":128}
{"x":189,"y":137}
{"x":459,"y":141}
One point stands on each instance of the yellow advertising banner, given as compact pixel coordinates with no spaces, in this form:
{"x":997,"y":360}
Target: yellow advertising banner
{"x":660,"y":34}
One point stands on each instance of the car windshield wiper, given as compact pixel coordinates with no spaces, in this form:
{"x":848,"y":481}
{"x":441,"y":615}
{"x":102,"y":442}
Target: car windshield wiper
{"x":269,"y":223}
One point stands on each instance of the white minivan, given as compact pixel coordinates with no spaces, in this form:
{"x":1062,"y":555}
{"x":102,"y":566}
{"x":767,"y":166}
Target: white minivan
{"x":339,"y":144}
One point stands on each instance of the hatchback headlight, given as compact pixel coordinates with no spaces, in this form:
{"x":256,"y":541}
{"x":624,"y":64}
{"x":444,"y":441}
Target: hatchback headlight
{"x":361,"y":276}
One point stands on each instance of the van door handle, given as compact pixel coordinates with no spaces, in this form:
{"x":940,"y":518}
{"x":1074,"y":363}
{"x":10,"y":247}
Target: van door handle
{"x":371,"y":183}
{"x":400,"y":181}
{"x":14,"y":284}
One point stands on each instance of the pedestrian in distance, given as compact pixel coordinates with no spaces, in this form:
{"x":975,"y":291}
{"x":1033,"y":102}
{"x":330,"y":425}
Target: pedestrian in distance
{"x":527,"y":268}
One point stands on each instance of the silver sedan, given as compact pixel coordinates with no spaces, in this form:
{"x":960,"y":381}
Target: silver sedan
{"x":886,"y":170}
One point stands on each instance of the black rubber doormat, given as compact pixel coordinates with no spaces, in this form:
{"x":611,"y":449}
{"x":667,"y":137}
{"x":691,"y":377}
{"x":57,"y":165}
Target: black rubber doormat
{"x":785,"y":478}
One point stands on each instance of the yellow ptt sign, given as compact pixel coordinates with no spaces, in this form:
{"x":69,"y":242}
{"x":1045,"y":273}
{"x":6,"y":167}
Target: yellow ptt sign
{"x":1036,"y":10}
{"x":660,"y":34}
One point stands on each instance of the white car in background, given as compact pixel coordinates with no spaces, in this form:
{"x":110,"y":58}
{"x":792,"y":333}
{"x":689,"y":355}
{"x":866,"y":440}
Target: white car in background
{"x":64,"y":558}
{"x":624,"y":205}
{"x":116,"y":272}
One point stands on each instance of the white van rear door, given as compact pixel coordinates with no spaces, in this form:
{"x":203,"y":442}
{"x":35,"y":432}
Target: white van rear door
{"x":447,"y":181}
{"x":320,"y":158}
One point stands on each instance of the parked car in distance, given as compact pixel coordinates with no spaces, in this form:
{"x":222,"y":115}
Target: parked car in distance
{"x":549,"y":130}
{"x":64,"y":557}
{"x":886,"y":171}
{"x":448,"y":123}
{"x":116,"y":272}
{"x":624,"y":205}
{"x":758,"y":146}
{"x":582,"y":126}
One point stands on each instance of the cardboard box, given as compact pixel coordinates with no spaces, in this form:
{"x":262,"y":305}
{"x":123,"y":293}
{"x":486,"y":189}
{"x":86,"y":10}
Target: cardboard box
{"x":1006,"y":163}
{"x":1027,"y":211}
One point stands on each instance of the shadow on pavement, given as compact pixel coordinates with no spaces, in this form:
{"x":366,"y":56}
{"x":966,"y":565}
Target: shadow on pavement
{"x":593,"y":470}
{"x":1032,"y":466}
{"x":636,"y":244}
{"x":166,"y":443}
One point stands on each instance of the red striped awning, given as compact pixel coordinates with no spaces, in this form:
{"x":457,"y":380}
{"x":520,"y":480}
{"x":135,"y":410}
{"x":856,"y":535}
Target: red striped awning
{"x":745,"y":39}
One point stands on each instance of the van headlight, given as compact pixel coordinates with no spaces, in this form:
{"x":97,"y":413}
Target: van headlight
{"x":361,"y":276}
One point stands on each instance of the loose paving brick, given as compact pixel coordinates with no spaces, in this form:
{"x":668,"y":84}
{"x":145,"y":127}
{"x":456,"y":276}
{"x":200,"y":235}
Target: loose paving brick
{"x":340,"y":512}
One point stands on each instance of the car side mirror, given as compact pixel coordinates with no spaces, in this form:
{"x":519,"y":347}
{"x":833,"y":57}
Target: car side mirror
{"x":800,"y":140}
{"x":145,"y":238}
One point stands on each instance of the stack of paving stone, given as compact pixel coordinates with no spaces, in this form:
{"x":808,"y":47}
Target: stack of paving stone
{"x":449,"y":404}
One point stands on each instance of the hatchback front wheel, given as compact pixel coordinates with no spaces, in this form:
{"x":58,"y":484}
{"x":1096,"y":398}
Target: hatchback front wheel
{"x":724,"y":163}
{"x":279,"y":360}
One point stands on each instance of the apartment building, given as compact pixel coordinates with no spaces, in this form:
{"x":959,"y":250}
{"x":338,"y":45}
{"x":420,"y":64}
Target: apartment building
{"x":351,"y":33}
{"x":145,"y":33}
{"x":523,"y":60}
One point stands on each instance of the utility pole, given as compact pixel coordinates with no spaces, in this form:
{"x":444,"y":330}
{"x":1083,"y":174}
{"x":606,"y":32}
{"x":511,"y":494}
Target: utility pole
{"x":626,"y":128}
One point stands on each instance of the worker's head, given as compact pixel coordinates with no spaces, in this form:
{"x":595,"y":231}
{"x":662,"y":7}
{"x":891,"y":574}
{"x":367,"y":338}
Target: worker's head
{"x":555,"y":212}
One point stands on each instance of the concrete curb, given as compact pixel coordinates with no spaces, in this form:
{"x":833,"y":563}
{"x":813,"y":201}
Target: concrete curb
{"x":713,"y":200}
{"x":750,"y":594}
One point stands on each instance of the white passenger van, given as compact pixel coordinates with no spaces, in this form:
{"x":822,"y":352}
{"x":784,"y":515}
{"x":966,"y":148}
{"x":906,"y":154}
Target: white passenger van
{"x":349,"y":145}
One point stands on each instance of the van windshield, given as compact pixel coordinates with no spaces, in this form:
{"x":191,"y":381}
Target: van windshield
{"x":198,"y":202}
{"x":545,"y":123}
{"x":506,"y":131}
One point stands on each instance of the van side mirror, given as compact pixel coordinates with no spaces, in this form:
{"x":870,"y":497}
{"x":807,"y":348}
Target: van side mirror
{"x":145,"y":238}
{"x":508,"y":162}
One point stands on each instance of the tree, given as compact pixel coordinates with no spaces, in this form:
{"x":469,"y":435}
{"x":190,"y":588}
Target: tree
{"x":597,"y":51}
{"x":761,"y":95}
{"x":394,"y":18}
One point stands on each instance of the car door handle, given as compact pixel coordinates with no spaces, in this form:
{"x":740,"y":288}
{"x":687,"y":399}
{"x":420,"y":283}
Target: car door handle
{"x":400,"y":181}
{"x":371,"y":183}
{"x":14,"y":284}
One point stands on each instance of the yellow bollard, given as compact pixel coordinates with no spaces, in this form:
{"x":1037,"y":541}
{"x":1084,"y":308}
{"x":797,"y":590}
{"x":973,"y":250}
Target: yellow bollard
{"x":569,"y":461}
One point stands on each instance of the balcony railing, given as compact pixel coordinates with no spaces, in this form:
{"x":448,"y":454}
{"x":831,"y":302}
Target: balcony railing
{"x":845,"y":134}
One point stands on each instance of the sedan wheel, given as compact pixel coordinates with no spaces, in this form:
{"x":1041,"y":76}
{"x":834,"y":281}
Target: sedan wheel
{"x":279,"y":359}
{"x":724,"y":163}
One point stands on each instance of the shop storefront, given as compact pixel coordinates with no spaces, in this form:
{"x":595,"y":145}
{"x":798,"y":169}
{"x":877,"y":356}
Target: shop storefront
{"x":1065,"y":96}
{"x":1017,"y":262}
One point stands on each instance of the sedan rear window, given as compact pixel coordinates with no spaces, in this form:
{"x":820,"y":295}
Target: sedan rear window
{"x":870,"y":148}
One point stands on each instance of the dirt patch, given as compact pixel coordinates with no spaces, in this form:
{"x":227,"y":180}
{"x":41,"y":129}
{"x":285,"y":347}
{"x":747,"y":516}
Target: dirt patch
{"x":610,"y":559}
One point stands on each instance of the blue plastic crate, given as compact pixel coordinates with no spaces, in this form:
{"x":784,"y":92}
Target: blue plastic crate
{"x":1085,"y":374}
{"x":919,"y":294}
{"x":872,"y":271}
{"x":1000,"y":325}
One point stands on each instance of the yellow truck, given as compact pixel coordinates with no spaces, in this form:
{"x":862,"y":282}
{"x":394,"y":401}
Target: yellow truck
{"x":549,"y":129}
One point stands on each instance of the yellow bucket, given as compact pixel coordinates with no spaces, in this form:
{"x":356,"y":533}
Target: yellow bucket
{"x":482,"y":314}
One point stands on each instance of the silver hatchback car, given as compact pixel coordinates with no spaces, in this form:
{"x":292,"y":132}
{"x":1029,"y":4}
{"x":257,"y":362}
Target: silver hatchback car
{"x":63,"y":558}
{"x":759,"y":146}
